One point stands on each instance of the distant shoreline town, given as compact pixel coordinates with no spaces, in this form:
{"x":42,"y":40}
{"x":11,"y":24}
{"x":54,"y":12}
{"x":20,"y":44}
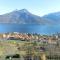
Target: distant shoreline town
{"x":30,"y":37}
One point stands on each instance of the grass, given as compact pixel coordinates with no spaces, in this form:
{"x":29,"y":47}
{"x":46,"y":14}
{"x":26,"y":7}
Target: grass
{"x":8,"y":47}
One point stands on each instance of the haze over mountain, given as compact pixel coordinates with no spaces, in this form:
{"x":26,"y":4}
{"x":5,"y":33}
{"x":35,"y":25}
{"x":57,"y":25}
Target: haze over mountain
{"x":23,"y":17}
{"x":54,"y":17}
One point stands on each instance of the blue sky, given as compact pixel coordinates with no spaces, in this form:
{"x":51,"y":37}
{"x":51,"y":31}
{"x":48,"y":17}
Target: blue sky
{"x":37,"y":7}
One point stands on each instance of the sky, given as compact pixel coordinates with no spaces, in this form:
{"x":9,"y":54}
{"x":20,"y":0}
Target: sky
{"x":37,"y":7}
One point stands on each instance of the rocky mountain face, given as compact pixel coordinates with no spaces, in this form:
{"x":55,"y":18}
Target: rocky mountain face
{"x":23,"y":17}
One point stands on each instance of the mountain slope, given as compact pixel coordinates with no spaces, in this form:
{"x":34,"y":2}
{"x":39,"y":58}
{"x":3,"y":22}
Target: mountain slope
{"x":55,"y":17}
{"x":22,"y":17}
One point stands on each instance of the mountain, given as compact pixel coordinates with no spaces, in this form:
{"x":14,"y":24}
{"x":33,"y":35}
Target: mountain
{"x":54,"y":17}
{"x":23,"y":17}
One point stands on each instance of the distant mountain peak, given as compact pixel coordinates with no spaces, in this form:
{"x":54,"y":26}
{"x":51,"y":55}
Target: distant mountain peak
{"x":22,"y":16}
{"x":24,"y":11}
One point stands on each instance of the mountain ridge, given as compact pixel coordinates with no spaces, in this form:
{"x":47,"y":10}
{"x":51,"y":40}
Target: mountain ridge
{"x":23,"y":17}
{"x":55,"y":17}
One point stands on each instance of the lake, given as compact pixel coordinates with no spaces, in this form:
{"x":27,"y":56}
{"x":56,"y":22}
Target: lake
{"x":29,"y":28}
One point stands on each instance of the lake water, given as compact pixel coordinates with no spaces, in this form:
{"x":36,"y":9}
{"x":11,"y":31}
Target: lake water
{"x":29,"y":28}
